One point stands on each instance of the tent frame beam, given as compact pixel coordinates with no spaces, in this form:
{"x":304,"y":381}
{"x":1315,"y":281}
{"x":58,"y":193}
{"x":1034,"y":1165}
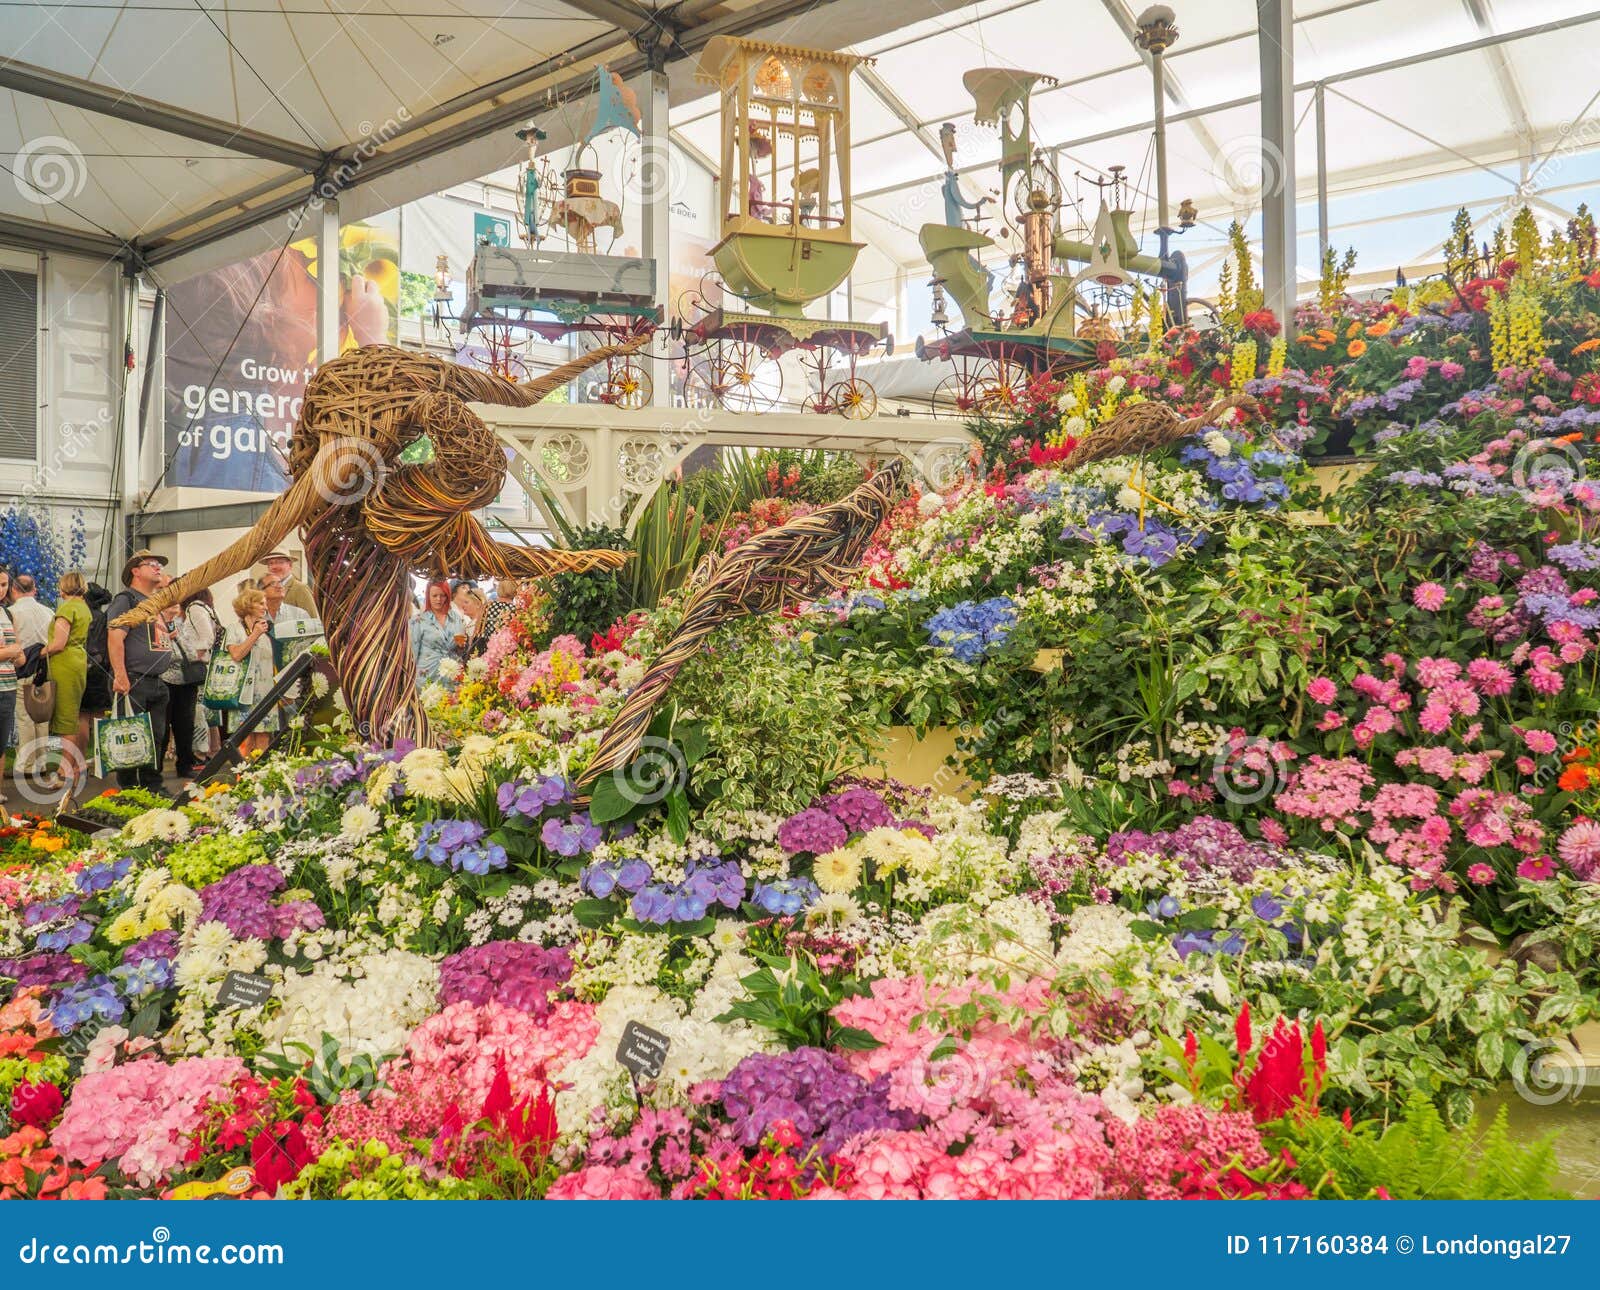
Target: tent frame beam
{"x":43,"y":83}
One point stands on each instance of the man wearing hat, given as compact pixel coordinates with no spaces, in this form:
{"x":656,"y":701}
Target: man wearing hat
{"x":295,"y":592}
{"x":138,"y":658}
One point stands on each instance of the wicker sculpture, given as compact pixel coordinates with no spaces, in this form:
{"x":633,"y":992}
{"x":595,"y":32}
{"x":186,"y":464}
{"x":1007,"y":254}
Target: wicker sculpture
{"x":388,"y":465}
{"x":821,"y":551}
{"x":800,"y":560}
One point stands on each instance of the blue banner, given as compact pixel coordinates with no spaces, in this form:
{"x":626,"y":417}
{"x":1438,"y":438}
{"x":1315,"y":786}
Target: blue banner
{"x":407,"y":1244}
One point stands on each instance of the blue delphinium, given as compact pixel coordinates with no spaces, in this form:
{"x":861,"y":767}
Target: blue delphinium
{"x":973,"y":629}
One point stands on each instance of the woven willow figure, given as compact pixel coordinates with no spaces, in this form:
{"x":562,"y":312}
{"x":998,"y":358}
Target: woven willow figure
{"x":800,"y":560}
{"x":388,"y":465}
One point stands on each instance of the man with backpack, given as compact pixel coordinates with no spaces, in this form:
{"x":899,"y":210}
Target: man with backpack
{"x":138,"y":657}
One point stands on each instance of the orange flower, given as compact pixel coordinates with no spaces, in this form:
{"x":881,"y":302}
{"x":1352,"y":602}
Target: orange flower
{"x":1354,"y":329}
{"x":1574,"y":779}
{"x":1380,"y":328}
{"x":1585,"y":346}
{"x":1356,"y":348}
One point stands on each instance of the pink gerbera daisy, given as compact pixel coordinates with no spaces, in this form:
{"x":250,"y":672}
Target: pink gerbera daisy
{"x":1580,"y":848}
{"x":1539,"y":868}
{"x":1480,"y":875}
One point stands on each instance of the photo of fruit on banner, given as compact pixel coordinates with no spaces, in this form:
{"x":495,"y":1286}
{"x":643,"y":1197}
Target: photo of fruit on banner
{"x":1197,"y":822}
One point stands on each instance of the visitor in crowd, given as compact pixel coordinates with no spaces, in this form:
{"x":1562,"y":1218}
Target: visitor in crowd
{"x":437,"y":633}
{"x":472,"y":608}
{"x":69,"y":669}
{"x":500,"y":609}
{"x":32,"y":621}
{"x":249,"y":643}
{"x":202,"y":632}
{"x":191,"y":651}
{"x":96,"y":701}
{"x":280,"y":609}
{"x":295,"y":592}
{"x":10,"y":656}
{"x":139,"y":656}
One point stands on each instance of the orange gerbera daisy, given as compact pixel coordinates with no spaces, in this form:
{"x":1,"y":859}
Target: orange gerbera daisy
{"x":1356,"y":348}
{"x":1574,"y":779}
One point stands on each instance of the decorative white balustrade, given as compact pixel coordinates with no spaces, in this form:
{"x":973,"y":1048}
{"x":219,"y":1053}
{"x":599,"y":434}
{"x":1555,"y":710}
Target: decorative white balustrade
{"x":598,"y":459}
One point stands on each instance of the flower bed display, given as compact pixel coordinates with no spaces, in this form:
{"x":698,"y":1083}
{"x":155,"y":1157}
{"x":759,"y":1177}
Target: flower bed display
{"x":1254,"y":788}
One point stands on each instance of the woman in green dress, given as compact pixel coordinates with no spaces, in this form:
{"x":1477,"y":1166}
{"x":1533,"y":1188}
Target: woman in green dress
{"x":69,"y":669}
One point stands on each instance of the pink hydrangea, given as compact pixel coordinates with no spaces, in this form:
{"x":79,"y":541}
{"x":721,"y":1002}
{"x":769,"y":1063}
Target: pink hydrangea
{"x":143,"y":1113}
{"x":603,"y":1182}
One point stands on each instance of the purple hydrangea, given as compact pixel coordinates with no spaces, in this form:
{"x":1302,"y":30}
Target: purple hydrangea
{"x":813,"y":830}
{"x":973,"y":629}
{"x":786,"y":897}
{"x":709,"y":883}
{"x":43,"y":969}
{"x":815,"y":1090}
{"x":600,"y":880}
{"x":576,"y":836}
{"x":511,"y":973}
{"x":858,"y":809}
{"x":158,"y":945}
{"x":530,"y":798}
{"x":242,"y":902}
{"x":84,"y":1000}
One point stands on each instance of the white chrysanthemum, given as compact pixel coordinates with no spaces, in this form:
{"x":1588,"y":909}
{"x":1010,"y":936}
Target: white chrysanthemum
{"x":929,"y":504}
{"x":423,"y":759}
{"x":426,"y":782}
{"x":1218,"y":443}
{"x":358,"y":822}
{"x":450,"y":669}
{"x":1128,"y":499}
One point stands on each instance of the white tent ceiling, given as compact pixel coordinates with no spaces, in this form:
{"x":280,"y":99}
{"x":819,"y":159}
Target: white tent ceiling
{"x":192,"y":129}
{"x":1413,"y":90}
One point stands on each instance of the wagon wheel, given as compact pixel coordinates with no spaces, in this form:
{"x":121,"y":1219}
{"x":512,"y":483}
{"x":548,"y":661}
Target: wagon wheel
{"x":959,"y":390}
{"x":629,"y":386}
{"x":705,"y":381}
{"x":750,"y":380}
{"x":853,"y":398}
{"x":1000,"y":384}
{"x":818,"y":401}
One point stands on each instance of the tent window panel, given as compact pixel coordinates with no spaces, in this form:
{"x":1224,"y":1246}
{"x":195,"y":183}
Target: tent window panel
{"x":19,"y":365}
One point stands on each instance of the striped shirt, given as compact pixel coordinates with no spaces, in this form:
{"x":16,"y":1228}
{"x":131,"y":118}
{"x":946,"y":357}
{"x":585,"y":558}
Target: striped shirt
{"x":8,"y":669}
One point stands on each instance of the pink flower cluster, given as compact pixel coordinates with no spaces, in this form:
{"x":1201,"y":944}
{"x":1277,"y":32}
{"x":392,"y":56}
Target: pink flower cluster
{"x":143,"y":1113}
{"x":451,"y":1060}
{"x":603,"y":1182}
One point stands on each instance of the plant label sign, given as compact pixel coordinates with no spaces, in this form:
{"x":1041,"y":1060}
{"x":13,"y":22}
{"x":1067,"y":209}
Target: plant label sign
{"x":643,"y":1051}
{"x":244,"y":990}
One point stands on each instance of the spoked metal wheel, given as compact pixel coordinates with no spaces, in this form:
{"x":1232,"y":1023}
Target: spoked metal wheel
{"x":853,"y":398}
{"x":628,"y":386}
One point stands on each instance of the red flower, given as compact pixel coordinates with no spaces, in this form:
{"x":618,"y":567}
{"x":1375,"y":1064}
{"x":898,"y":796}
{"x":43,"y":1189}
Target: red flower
{"x":1278,"y":1082}
{"x":1241,"y":1031}
{"x":1261,"y":322}
{"x":35,"y":1104}
{"x":278,"y":1155}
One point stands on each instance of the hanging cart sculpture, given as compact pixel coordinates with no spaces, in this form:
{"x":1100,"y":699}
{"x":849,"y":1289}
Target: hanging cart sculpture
{"x":388,"y":465}
{"x":786,"y":236}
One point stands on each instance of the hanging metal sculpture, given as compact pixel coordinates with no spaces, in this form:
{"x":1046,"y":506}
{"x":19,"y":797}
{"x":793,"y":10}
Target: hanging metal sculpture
{"x":389,"y":464}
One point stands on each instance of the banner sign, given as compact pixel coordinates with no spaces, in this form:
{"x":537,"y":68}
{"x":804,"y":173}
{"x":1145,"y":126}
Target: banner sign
{"x":229,"y":410}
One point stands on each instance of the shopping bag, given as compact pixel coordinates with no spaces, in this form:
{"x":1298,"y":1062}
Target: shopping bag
{"x":125,"y":740}
{"x":225,"y":682}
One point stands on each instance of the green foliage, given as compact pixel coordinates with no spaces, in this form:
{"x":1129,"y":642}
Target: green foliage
{"x":779,"y":722}
{"x":584,"y":604}
{"x":795,"y":1000}
{"x":1423,"y":1157}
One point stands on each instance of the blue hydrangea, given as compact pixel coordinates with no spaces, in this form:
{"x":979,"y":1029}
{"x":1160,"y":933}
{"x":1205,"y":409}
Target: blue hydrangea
{"x":973,"y":629}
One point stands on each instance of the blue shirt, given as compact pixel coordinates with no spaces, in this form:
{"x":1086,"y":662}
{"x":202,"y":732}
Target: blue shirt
{"x":431,"y":644}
